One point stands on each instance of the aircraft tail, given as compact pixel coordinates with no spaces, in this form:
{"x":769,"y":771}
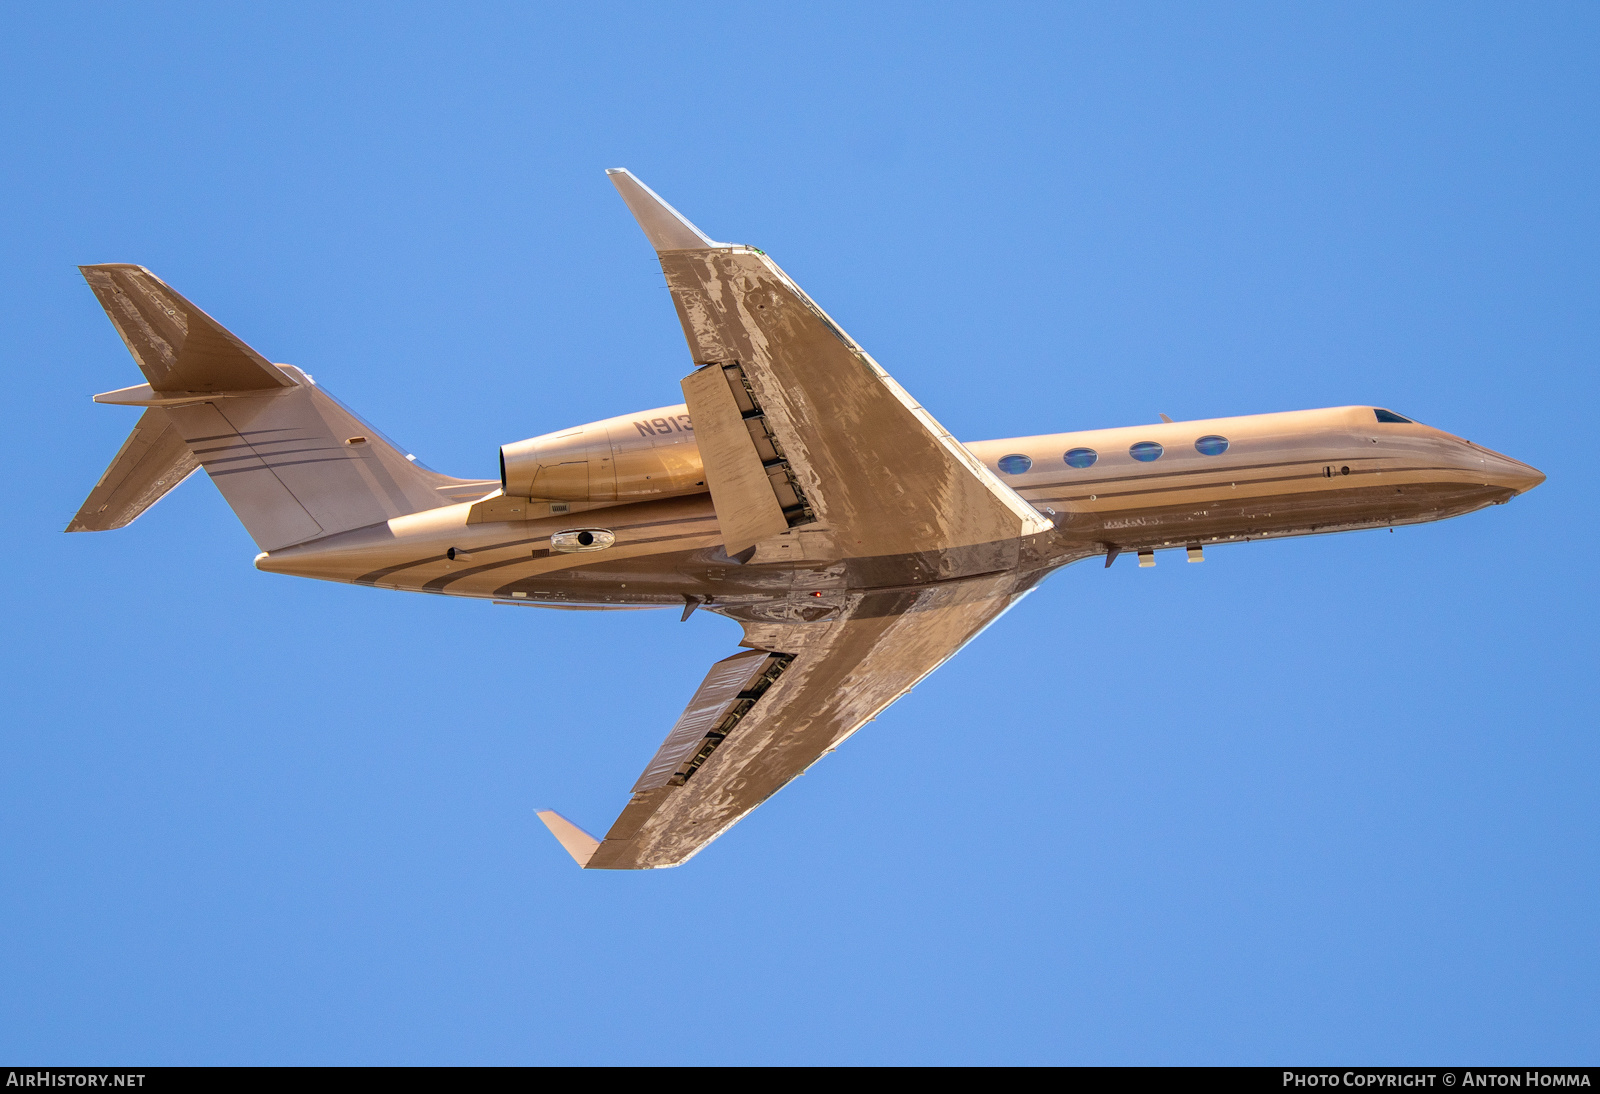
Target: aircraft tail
{"x":294,"y":464}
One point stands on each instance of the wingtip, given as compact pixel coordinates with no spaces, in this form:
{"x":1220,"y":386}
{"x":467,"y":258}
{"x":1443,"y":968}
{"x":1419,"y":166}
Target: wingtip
{"x":578,"y":843}
{"x":665,"y":227}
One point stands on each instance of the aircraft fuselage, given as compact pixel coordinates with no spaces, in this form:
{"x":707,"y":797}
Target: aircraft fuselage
{"x":1272,"y":475}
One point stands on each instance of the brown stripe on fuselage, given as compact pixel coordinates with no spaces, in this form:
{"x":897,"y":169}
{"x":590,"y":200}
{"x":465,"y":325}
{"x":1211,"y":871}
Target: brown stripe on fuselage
{"x":1308,"y":512}
{"x":372,"y":577}
{"x":1217,"y":480}
{"x":439,"y":584}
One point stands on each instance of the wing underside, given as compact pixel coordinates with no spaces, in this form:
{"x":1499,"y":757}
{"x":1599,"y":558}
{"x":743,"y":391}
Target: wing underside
{"x":763,"y":716}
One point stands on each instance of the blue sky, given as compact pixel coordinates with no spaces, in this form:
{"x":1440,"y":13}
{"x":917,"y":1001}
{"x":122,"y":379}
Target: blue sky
{"x":1314,"y":801}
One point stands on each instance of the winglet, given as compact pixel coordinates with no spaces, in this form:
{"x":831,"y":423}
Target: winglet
{"x":579,"y":844}
{"x":665,"y":227}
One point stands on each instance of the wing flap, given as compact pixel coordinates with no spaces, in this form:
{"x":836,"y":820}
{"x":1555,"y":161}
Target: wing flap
{"x":728,"y":692}
{"x":744,"y":495}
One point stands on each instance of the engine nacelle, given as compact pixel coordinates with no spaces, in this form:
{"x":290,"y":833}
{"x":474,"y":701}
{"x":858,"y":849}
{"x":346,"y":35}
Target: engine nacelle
{"x":650,"y":454}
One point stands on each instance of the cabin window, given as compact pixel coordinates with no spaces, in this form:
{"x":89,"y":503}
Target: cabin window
{"x":1391,"y":416}
{"x":1211,"y":446}
{"x":1145,"y":451}
{"x":1015,"y":464}
{"x":1081,"y":457}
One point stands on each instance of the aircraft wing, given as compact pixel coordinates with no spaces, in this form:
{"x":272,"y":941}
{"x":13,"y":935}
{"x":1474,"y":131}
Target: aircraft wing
{"x":763,"y":716}
{"x":806,"y":438}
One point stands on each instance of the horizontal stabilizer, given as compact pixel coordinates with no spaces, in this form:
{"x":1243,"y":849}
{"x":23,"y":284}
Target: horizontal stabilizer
{"x":177,"y":346}
{"x":152,"y":461}
{"x":579,"y":844}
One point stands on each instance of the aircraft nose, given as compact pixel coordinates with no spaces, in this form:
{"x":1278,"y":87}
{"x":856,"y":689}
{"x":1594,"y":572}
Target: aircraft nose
{"x":1510,"y":473}
{"x":1528,"y":478}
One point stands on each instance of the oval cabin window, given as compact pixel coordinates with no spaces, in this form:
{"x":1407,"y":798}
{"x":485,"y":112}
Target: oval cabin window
{"x":1015,"y":464}
{"x":1081,"y":457}
{"x":1211,"y":446}
{"x":1145,"y":451}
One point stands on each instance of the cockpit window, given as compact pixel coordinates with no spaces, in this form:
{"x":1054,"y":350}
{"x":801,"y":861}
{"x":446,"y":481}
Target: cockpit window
{"x":1391,"y":416}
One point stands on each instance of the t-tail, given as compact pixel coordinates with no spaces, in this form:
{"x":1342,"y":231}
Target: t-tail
{"x":294,"y":463}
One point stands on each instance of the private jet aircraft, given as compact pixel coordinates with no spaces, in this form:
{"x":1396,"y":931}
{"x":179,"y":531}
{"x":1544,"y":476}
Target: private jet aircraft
{"x":797,"y":490}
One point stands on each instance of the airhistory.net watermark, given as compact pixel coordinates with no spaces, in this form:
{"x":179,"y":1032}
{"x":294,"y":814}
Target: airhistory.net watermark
{"x":47,"y":1078}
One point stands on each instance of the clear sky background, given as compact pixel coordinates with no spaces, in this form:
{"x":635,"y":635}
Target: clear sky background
{"x":1314,"y":801}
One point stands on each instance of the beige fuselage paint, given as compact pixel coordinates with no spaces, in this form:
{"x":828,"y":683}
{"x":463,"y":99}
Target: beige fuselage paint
{"x":1288,"y":474}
